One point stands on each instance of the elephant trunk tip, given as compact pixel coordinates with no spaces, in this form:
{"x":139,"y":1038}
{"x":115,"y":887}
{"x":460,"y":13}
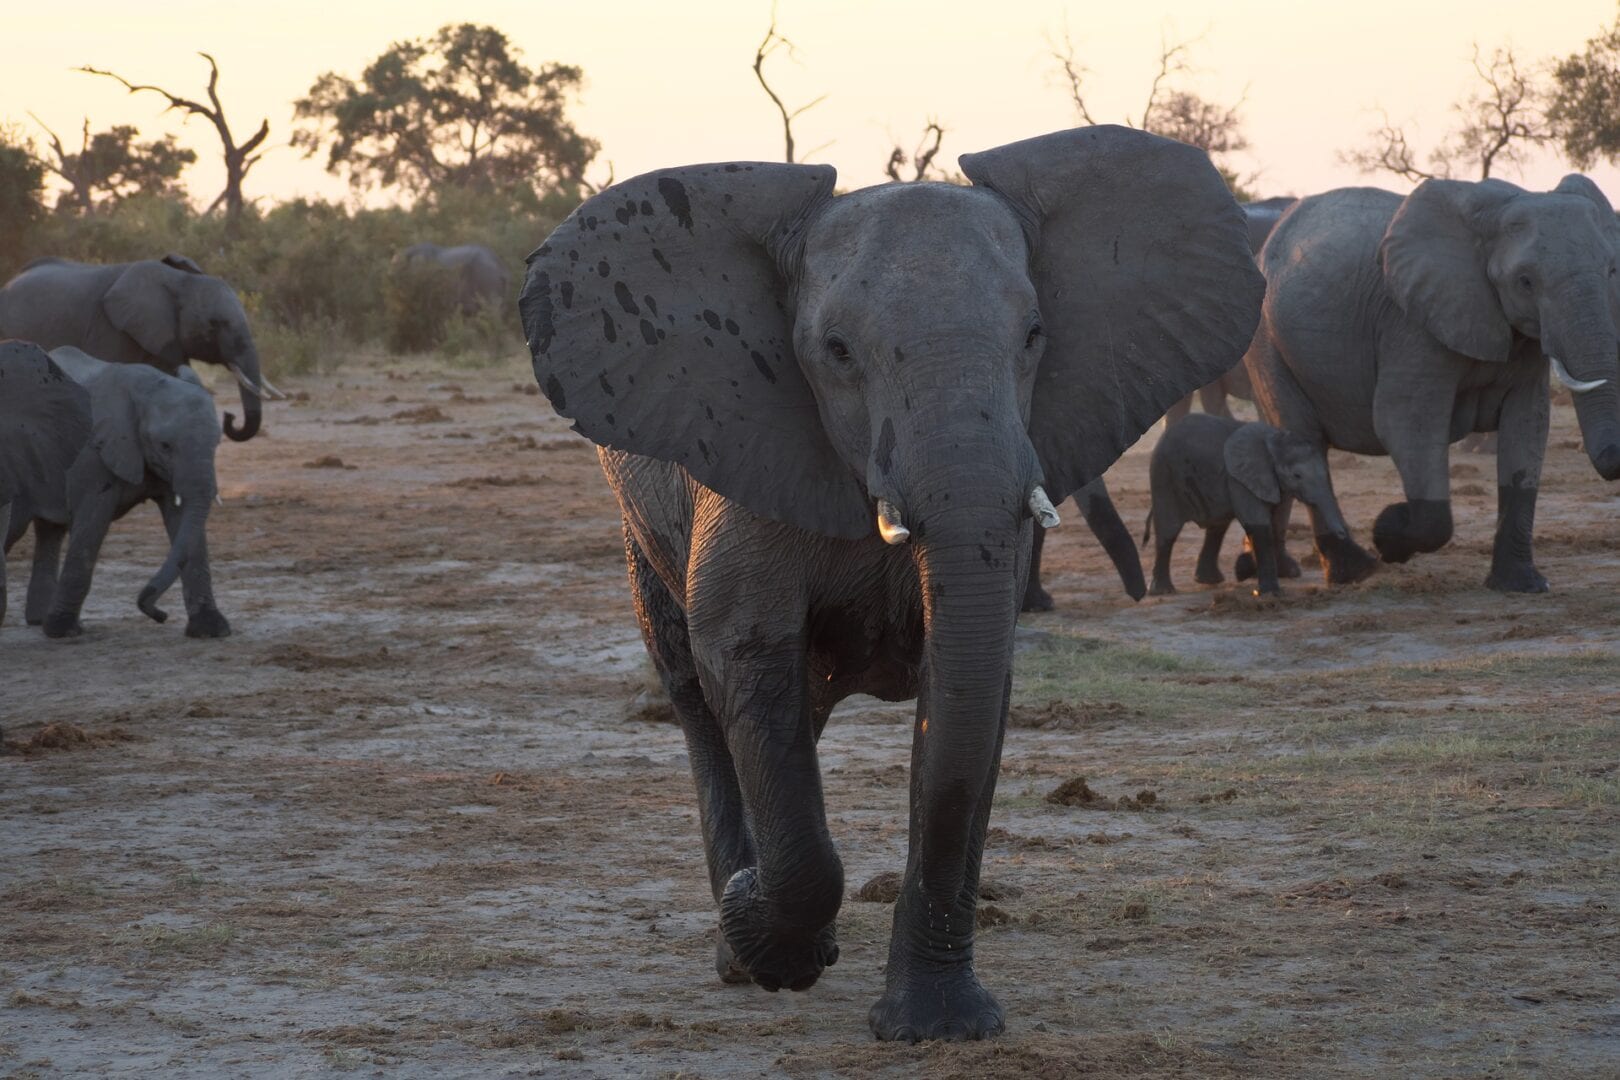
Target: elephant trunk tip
{"x":147,"y":602}
{"x":1607,"y":461}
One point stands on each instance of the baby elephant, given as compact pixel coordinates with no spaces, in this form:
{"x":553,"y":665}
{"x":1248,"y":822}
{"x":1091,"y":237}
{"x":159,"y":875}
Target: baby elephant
{"x":1210,"y":469}
{"x":152,"y":436}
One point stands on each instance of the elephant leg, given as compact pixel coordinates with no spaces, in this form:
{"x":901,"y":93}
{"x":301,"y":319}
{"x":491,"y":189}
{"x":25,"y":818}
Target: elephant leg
{"x":1167,"y":527}
{"x":1287,"y":565}
{"x":1178,"y":410}
{"x":1035,"y":597}
{"x":203,"y":617}
{"x":1520,"y":446}
{"x":1410,"y":417}
{"x":1264,"y":541}
{"x":1213,"y":399}
{"x":5,"y":527}
{"x":1209,"y":556}
{"x":1283,"y":404}
{"x":726,"y":843}
{"x":42,"y":578}
{"x":92,"y":516}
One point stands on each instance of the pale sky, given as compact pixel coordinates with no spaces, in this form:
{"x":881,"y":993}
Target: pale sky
{"x":669,"y":82}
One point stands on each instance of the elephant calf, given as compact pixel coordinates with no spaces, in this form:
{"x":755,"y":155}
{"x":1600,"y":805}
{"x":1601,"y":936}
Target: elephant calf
{"x":152,"y":436}
{"x":44,"y":423}
{"x":1211,"y":469}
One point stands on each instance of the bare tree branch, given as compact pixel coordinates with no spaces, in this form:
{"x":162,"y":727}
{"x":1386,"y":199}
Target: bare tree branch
{"x":1391,"y":152}
{"x":771,"y":42}
{"x":921,"y":159}
{"x":1074,"y":72}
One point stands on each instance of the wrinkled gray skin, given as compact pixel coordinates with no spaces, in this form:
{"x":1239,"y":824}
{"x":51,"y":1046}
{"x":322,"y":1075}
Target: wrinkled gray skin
{"x":1398,"y":326}
{"x":1262,"y":216}
{"x":152,"y":436}
{"x":1105,"y":524}
{"x":480,"y":279}
{"x":763,"y":362}
{"x":163,"y":312}
{"x":1212,"y":469}
{"x":44,"y":423}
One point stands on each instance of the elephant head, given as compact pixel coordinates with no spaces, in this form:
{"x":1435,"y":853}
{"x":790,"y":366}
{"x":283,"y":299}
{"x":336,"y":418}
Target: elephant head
{"x":1483,"y":265}
{"x":144,"y":421}
{"x":1271,"y":464}
{"x":177,"y":313}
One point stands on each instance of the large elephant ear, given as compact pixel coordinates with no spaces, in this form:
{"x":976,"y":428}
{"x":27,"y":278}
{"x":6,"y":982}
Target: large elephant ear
{"x":1251,"y":462}
{"x":660,"y":322}
{"x":47,"y":412}
{"x":1434,"y":255}
{"x":1140,"y":260}
{"x":142,"y":305}
{"x":115,"y":426}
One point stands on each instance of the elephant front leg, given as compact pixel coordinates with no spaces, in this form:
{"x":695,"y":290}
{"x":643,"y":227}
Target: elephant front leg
{"x":92,"y":516}
{"x":42,"y":577}
{"x":1521,"y":445}
{"x":1209,"y":556}
{"x":203,"y":617}
{"x":1411,"y":417}
{"x":776,"y":915}
{"x":5,"y":529}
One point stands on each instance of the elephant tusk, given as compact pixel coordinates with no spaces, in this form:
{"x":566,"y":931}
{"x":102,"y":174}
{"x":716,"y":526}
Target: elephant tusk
{"x":177,"y":500}
{"x":1043,"y":510}
{"x":218,"y":501}
{"x":890,"y":527}
{"x":1574,"y":385}
{"x":247,"y":383}
{"x":271,"y":390}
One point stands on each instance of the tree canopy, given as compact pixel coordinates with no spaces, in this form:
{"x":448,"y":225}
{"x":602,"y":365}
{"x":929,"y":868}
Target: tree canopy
{"x":457,"y":109}
{"x":111,"y":166}
{"x":1585,"y":107}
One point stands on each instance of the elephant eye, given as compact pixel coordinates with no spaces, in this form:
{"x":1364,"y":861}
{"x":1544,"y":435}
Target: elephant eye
{"x":1034,"y":335}
{"x":1525,"y":283}
{"x":838,"y":350}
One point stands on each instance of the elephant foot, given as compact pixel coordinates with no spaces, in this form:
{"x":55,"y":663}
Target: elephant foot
{"x":1208,"y":575}
{"x":725,"y":965}
{"x":1520,"y":577}
{"x":1161,"y":588}
{"x":1037,"y":598}
{"x":772,"y":955}
{"x":948,"y":1004}
{"x":63,"y":625}
{"x":1410,"y":528}
{"x":207,"y":623}
{"x":1344,"y":561}
{"x":1287,"y":566}
{"x":1243,"y":567}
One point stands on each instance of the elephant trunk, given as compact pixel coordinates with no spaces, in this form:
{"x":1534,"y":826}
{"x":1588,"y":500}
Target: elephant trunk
{"x":1587,"y":352}
{"x":246,"y":369}
{"x":1104,"y":521}
{"x":182,"y":549}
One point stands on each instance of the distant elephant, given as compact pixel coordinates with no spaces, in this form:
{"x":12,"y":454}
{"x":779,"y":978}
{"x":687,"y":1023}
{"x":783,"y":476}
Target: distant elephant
{"x":162,"y":312}
{"x":1398,"y":326}
{"x":480,"y":278}
{"x":1211,"y":469}
{"x":1105,"y":524}
{"x":152,"y":436}
{"x":829,"y":420}
{"x":1262,"y":216}
{"x":44,"y":423}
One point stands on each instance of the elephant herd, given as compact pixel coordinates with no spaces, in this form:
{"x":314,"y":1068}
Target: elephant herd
{"x":838,"y":424}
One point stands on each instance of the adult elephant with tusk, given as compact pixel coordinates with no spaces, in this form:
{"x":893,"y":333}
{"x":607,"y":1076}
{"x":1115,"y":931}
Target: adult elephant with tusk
{"x":828,"y":420}
{"x":163,"y":312}
{"x":1400,"y":325}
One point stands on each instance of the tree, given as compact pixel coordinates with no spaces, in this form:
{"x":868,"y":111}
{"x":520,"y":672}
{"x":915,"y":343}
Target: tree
{"x":1176,"y":114}
{"x":110,"y":166}
{"x":769,"y":44}
{"x":239,"y":158}
{"x":458,"y":109}
{"x":22,"y":182}
{"x":921,"y":159}
{"x":1585,"y":108}
{"x":1502,"y":119}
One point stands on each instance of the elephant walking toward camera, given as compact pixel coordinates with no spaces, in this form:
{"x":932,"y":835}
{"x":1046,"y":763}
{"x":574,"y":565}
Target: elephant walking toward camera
{"x":44,"y":423}
{"x":1398,"y":326}
{"x":829,"y":420}
{"x":163,"y":312}
{"x":476,"y":274}
{"x":152,"y":436}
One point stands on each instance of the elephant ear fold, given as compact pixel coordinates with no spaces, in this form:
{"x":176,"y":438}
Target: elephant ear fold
{"x":659,"y":318}
{"x":1140,"y":260}
{"x":180,"y":262}
{"x":50,"y":410}
{"x":1434,"y":258}
{"x":114,"y":426}
{"x":141,"y":304}
{"x":1249,"y":461}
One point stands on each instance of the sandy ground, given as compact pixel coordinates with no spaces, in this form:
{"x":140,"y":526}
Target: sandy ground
{"x":405,"y":822}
